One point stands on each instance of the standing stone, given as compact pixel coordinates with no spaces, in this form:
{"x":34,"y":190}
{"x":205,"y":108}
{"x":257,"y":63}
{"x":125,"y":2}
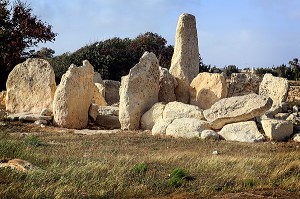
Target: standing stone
{"x":99,"y":95}
{"x":242,"y":132}
{"x":98,"y":78}
{"x":73,"y":97}
{"x":185,"y":60}
{"x":237,"y":109}
{"x":30,"y":87}
{"x":274,"y":87}
{"x":112,"y":91}
{"x":277,"y":130}
{"x":167,"y":85}
{"x":139,"y":91}
{"x":207,"y":89}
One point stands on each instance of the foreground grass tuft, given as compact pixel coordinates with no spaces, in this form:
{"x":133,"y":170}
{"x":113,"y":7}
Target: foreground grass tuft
{"x":177,"y":177}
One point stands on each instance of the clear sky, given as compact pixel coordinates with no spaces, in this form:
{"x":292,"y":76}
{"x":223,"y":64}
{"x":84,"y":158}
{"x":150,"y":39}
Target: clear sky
{"x":247,"y":33}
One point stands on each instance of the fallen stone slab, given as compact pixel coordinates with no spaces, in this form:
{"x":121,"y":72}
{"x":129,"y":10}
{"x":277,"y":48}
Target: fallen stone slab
{"x":237,"y":109}
{"x":28,"y":117}
{"x":95,"y":132}
{"x":242,"y":132}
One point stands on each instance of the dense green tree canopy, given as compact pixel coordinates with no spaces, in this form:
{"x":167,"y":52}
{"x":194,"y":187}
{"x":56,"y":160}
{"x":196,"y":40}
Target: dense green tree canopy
{"x":113,"y":58}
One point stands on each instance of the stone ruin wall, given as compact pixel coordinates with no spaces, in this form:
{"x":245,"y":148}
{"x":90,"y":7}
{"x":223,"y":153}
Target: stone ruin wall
{"x":293,"y":97}
{"x":244,"y":83}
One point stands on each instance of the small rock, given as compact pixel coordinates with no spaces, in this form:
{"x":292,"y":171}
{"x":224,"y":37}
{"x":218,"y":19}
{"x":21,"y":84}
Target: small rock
{"x":46,"y":112}
{"x":215,"y":152}
{"x":39,"y":122}
{"x":295,"y":109}
{"x":296,"y":137}
{"x":209,"y":135}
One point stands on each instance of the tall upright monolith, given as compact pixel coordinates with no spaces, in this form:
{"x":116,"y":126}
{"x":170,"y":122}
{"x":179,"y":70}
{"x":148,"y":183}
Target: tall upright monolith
{"x":185,"y":60}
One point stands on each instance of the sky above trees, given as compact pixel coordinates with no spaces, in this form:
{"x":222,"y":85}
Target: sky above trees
{"x":247,"y":33}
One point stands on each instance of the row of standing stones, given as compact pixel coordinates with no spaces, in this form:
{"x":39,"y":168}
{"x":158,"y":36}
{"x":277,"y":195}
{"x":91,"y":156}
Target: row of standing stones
{"x":179,"y":102}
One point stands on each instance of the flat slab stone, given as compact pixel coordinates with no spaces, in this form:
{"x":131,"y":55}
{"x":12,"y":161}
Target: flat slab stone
{"x":237,"y":109}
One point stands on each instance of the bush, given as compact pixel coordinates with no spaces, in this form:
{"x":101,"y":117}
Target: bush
{"x":140,"y":168}
{"x":177,"y":177}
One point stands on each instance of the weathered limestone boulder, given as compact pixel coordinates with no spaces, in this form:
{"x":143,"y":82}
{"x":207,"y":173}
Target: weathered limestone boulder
{"x":139,"y":91}
{"x":112,"y":91}
{"x":167,"y":85}
{"x":187,"y":127}
{"x":161,"y":125}
{"x":207,"y":89}
{"x":176,"y":110}
{"x":274,"y":87}
{"x":3,"y":98}
{"x":236,"y":109}
{"x":185,"y":60}
{"x":209,"y":135}
{"x":73,"y":97}
{"x":172,"y":110}
{"x":277,"y":130}
{"x":98,"y":78}
{"x":243,"y":84}
{"x":18,"y":164}
{"x":105,"y":116}
{"x":296,"y":137}
{"x":99,"y":95}
{"x":242,"y":132}
{"x":151,"y":116}
{"x":30,"y":87}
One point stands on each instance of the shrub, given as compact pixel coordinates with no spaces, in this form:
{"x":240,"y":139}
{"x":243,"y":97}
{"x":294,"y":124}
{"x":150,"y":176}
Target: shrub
{"x":177,"y":177}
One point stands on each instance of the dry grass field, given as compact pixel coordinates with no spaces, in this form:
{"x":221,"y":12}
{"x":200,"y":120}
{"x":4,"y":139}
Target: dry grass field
{"x":139,"y":165}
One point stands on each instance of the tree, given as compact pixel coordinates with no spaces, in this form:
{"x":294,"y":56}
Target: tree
{"x":113,"y":58}
{"x":295,"y":68}
{"x":44,"y":53}
{"x":203,"y":67}
{"x":230,"y":69}
{"x":19,"y":31}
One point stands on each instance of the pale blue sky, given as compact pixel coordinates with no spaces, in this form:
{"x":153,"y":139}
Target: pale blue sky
{"x":247,"y":33}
